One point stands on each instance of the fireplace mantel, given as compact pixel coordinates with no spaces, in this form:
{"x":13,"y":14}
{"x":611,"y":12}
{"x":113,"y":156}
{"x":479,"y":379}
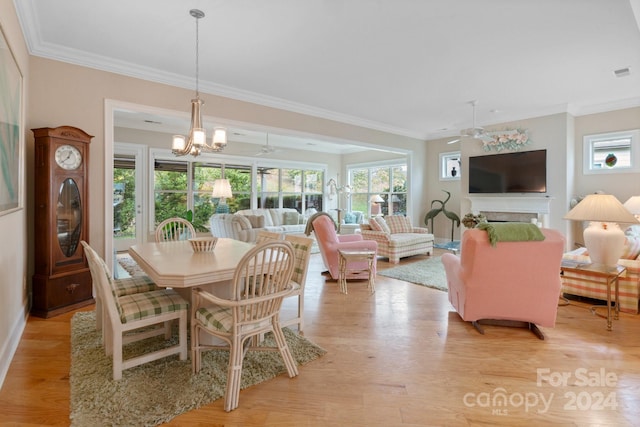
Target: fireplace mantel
{"x":538,"y":205}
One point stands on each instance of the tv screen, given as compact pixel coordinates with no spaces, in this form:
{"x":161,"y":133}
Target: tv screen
{"x":521,"y":172}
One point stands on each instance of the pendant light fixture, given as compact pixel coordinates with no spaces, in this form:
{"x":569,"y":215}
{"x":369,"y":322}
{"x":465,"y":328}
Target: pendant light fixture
{"x":196,"y":141}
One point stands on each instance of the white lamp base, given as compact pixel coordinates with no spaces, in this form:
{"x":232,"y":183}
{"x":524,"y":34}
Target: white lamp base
{"x":605,"y":242}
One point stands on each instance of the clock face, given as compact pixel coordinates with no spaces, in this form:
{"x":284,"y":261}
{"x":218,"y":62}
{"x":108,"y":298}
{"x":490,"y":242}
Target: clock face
{"x":68,"y":157}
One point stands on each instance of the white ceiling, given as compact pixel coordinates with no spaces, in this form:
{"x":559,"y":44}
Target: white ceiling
{"x":405,"y":66}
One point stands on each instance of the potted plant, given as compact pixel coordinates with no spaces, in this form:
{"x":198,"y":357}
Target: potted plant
{"x":471,"y":221}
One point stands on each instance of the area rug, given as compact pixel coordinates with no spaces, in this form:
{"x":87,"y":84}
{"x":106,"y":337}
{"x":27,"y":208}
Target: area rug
{"x":129,"y":265}
{"x":428,"y":272}
{"x":453,"y":245}
{"x":158,"y":391}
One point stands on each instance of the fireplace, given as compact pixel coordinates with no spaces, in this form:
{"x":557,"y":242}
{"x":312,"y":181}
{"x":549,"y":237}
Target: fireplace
{"x":517,"y":209}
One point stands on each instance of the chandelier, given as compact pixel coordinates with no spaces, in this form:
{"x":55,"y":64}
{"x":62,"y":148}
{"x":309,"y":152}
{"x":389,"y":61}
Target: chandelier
{"x":196,"y":141}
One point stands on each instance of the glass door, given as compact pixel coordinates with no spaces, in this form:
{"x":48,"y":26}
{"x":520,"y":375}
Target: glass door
{"x":128,"y":196}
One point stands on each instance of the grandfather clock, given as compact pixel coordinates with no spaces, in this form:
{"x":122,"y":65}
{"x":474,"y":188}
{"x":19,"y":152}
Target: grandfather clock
{"x":62,"y":280}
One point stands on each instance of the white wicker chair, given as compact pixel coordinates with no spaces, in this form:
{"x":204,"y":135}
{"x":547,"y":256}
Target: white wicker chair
{"x":261,"y":281}
{"x":172,"y":229}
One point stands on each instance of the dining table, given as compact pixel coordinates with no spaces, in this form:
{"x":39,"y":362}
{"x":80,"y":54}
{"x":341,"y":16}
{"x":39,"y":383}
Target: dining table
{"x":174,"y":264}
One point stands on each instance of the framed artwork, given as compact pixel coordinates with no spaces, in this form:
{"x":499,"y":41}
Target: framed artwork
{"x":11,"y":197}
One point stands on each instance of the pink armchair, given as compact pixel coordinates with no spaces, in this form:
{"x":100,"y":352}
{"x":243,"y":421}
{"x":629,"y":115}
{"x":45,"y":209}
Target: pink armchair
{"x":513,"y":283}
{"x":329,"y":242}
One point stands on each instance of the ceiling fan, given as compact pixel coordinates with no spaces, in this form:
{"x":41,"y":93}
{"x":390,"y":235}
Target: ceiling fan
{"x":267,"y":149}
{"x":475,"y":132}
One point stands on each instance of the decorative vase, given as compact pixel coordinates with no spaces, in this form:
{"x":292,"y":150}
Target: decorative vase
{"x":605,"y":242}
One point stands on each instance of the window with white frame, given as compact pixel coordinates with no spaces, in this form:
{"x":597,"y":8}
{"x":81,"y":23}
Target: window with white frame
{"x":389,"y":181}
{"x":613,"y":152}
{"x":450,"y":166}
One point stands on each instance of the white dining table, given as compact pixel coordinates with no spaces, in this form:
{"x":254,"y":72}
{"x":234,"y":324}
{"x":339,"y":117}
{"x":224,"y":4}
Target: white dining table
{"x":176,"y":265}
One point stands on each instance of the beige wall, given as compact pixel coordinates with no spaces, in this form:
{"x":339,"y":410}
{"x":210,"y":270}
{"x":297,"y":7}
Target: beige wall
{"x":623,"y":185}
{"x":65,"y":94}
{"x":561,"y":135}
{"x":549,"y":132}
{"x":14,"y":279}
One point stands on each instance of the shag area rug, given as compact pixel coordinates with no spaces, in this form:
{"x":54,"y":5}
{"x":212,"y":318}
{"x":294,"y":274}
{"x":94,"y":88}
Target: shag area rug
{"x":158,"y":391}
{"x":428,"y":272}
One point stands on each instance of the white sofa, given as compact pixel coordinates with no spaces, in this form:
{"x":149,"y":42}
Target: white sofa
{"x":245,"y":224}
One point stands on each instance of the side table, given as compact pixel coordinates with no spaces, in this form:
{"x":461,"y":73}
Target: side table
{"x":601,"y":274}
{"x":347,"y":256}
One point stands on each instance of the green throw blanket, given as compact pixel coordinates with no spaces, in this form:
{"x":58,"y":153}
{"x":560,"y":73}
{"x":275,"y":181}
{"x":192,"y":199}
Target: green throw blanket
{"x":510,"y":231}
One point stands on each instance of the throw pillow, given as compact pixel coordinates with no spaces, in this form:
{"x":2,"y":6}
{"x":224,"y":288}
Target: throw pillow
{"x":383,"y":224}
{"x":244,"y":221}
{"x":631,"y":248}
{"x":257,"y":221}
{"x":374,"y":225}
{"x":349,"y":218}
{"x":290,"y":218}
{"x":399,"y":224}
{"x":633,"y":231}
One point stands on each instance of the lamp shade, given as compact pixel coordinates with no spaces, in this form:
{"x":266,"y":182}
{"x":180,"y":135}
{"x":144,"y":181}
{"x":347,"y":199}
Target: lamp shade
{"x":600,"y":207}
{"x":221,"y":189}
{"x":603,"y":237}
{"x":633,"y":205}
{"x":376,"y":199}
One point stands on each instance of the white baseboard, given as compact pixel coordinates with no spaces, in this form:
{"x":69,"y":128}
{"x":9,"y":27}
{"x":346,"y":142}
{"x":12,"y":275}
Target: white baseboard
{"x":11,"y":345}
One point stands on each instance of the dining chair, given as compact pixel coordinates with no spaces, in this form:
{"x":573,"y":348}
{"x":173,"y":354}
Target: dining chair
{"x":124,"y":286}
{"x":264,"y":236}
{"x":172,"y":229}
{"x":261,"y":281}
{"x":128,"y":313}
{"x":302,"y":252}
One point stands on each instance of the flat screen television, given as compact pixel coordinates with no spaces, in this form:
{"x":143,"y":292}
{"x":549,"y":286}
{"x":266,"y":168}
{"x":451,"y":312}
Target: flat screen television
{"x":519,"y":172}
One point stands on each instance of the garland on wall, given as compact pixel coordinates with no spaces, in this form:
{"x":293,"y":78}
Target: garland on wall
{"x":505,"y":140}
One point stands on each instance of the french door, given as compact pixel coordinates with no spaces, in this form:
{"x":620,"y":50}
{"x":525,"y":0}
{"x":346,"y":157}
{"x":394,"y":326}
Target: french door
{"x":129,"y":165}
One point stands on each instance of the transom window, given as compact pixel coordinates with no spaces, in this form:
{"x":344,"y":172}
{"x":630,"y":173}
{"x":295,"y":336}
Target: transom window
{"x":615,"y":152}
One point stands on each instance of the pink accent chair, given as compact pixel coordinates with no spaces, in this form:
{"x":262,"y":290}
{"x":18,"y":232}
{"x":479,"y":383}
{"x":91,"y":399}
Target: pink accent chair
{"x":329,"y":242}
{"x":511,"y":284}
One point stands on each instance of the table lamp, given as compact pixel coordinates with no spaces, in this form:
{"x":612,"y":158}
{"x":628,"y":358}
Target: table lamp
{"x":375,"y":204}
{"x":603,"y":237}
{"x":222,"y":190}
{"x":633,"y":206}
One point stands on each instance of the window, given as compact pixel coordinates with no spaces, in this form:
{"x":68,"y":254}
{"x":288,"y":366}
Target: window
{"x":450,"y":166}
{"x":185,"y":184}
{"x":616,"y":152}
{"x":180,"y":186}
{"x":387,"y":181}
{"x":298,"y":189}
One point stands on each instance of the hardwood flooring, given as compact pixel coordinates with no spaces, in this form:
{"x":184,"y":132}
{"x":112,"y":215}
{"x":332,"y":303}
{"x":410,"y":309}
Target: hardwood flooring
{"x":400,"y":357}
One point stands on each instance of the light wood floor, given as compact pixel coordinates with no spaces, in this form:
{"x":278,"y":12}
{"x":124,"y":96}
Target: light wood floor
{"x":401,"y":357}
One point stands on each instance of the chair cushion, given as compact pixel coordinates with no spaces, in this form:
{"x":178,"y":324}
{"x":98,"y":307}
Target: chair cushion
{"x":221,"y":319}
{"x":399,"y":224}
{"x":146,"y":304}
{"x":133,"y":285}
